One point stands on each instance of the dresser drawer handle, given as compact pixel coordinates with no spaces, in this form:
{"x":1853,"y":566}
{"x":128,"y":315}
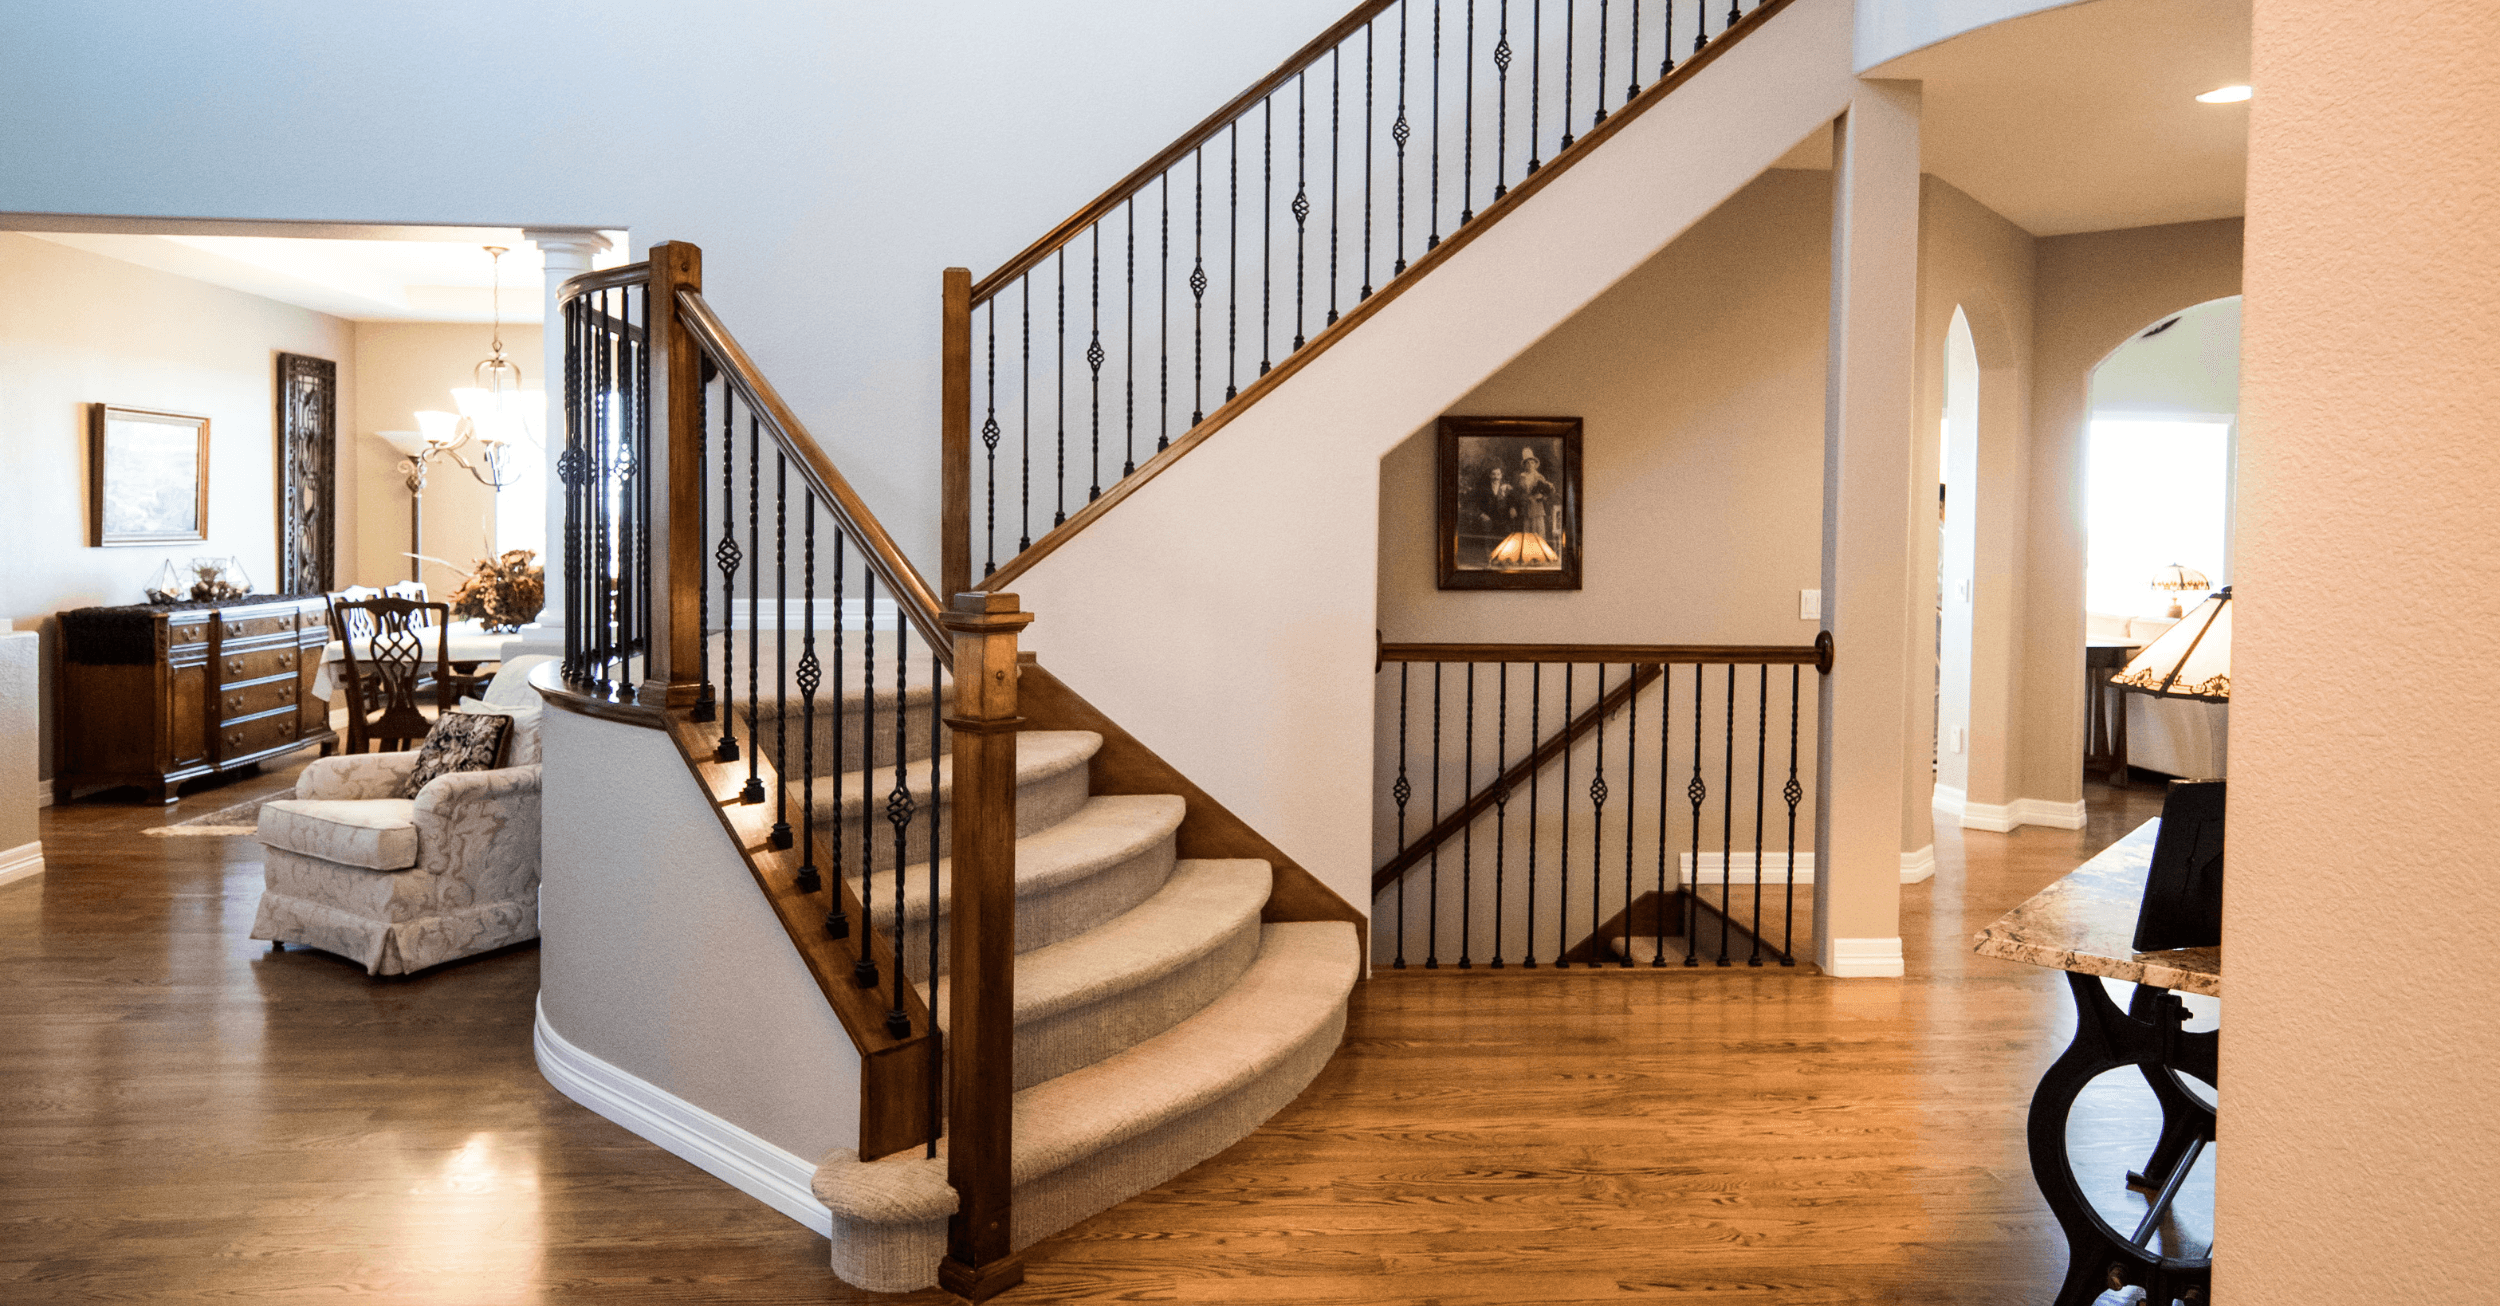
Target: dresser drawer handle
{"x":286,"y":660}
{"x":234,"y":739}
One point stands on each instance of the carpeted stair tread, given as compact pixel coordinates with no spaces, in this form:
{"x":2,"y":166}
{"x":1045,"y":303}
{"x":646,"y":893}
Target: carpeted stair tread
{"x":1105,"y":858}
{"x":1041,"y":756}
{"x":1138,"y":974}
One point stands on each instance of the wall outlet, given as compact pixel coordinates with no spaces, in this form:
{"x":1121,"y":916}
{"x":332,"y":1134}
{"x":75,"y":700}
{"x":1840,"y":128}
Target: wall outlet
{"x":1966,"y":589}
{"x":1809,"y":605}
{"x":1961,"y":738}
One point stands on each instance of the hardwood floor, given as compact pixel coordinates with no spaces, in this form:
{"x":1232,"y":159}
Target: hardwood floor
{"x":187,"y":1116}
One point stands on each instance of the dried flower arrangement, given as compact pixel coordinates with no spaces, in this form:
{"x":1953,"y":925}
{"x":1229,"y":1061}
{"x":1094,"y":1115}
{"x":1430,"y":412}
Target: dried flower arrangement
{"x":503,"y":593}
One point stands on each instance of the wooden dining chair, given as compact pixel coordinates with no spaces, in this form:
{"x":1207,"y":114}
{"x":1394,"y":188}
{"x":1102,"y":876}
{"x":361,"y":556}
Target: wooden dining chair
{"x":386,"y":682}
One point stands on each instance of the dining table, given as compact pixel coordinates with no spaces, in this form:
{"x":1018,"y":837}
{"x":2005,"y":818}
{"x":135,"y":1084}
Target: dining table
{"x":467,"y":644}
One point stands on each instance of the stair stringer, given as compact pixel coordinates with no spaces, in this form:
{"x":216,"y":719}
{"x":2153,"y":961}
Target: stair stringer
{"x":1238,"y":586}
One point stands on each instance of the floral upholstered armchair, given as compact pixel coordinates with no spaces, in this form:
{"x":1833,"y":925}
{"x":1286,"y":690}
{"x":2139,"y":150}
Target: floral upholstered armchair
{"x":401,"y":884}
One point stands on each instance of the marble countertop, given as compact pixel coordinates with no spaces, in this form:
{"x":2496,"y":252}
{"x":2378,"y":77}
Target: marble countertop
{"x":2086,"y":922}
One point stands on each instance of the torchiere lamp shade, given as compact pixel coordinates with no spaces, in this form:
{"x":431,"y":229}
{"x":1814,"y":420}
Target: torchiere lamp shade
{"x":2191,"y":659}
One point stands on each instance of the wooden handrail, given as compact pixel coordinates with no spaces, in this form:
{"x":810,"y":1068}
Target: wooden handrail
{"x":1173,"y":153}
{"x":1327,"y":337}
{"x":916,"y":599}
{"x":1448,"y":827}
{"x":627,"y":274}
{"x":1817,"y":654}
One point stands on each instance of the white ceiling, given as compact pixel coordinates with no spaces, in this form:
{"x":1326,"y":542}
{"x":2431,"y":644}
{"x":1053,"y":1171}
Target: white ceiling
{"x":445,"y":277}
{"x":2085,"y":118}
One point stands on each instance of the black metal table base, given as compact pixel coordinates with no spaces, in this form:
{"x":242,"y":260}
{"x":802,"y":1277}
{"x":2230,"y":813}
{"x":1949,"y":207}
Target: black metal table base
{"x":2148,"y":1035}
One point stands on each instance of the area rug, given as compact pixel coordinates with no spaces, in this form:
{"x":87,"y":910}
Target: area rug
{"x":242,"y":818}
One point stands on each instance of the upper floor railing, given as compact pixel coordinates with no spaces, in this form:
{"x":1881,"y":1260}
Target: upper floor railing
{"x":1152,"y":315}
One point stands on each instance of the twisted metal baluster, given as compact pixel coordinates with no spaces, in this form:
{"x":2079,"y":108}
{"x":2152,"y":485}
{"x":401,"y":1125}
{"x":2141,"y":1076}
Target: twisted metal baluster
{"x":1536,"y":82}
{"x":1467,"y":839}
{"x":1761,"y":749}
{"x":864,"y":971}
{"x":1093,"y":364}
{"x":1695,"y":791}
{"x":1571,"y":17}
{"x":1399,"y":133}
{"x":1232,"y":276}
{"x":1432,"y":883}
{"x":1597,"y":828}
{"x":1336,"y":171}
{"x":780,"y":837}
{"x":1536,"y":705}
{"x":1401,"y":791}
{"x":1501,"y":106}
{"x":1198,"y":299}
{"x":726,"y":556}
{"x":1666,"y":39}
{"x":1024,"y":396}
{"x":1163,"y":327}
{"x":1370,"y":63}
{"x":811,"y":677}
{"x":837,"y":924}
{"x":1727,"y":821}
{"x":989,"y":440}
{"x":1562,"y":864}
{"x":1792,"y":791}
{"x":1632,"y":64}
{"x":1666,"y":744}
{"x":1501,"y":803}
{"x":1602,"y":27}
{"x":1059,"y":365}
{"x":898,"y":813}
{"x":1301,"y":206}
{"x":1467,"y":124}
{"x":702,"y":592}
{"x":753,"y":790}
{"x":1432,"y":210}
{"x":1128,"y":364}
{"x":1267,"y":230}
{"x":1631,"y":778}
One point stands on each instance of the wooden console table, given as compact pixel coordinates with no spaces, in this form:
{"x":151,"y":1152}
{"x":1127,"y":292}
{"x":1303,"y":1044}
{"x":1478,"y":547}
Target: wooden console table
{"x":2084,"y":925}
{"x":156,"y":694}
{"x":2105,"y":709}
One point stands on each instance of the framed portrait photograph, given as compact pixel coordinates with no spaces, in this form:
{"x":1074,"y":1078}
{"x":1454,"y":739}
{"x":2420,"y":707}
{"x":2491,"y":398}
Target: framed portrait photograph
{"x":1508,"y":491}
{"x":147,"y":474}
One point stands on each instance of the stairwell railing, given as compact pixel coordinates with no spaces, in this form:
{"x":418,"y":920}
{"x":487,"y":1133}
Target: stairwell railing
{"x":724,"y":582}
{"x":1240,"y":251}
{"x":1583,"y":875}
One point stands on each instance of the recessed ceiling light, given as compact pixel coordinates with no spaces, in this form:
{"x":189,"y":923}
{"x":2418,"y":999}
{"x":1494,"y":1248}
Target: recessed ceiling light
{"x":2225,"y":95}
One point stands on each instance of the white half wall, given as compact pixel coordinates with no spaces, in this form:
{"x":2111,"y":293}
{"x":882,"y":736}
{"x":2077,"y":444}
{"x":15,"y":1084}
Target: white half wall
{"x":661,"y":959}
{"x":1244,"y":657}
{"x":1888,"y":29}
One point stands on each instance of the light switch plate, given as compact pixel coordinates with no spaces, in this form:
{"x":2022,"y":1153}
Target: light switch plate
{"x":1809,"y":605}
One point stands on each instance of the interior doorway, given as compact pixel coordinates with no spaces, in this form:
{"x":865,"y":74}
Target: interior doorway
{"x":1957,"y":463}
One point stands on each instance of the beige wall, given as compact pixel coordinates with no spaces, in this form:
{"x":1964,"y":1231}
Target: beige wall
{"x":78,"y":328}
{"x":20,"y":728}
{"x":2093,"y":292}
{"x":403,"y":368}
{"x":2361,"y":1154}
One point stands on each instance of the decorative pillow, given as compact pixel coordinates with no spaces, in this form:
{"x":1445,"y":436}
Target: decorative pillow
{"x":522,"y":748}
{"x":459,"y":741}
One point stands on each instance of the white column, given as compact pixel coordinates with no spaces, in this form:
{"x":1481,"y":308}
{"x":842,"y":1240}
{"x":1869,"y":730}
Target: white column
{"x":536,"y":507}
{"x":1870,"y":458}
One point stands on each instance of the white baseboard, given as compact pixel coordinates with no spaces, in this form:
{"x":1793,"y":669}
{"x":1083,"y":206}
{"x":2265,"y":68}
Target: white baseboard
{"x":43,"y":793}
{"x":23,"y":862}
{"x":1915,"y":866}
{"x":1949,"y":800}
{"x":1863,"y":959}
{"x":2021,"y":812}
{"x":769,"y":1174}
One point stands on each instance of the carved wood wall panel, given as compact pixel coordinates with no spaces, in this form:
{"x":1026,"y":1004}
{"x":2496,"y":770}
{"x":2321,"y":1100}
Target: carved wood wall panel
{"x":307,"y":473}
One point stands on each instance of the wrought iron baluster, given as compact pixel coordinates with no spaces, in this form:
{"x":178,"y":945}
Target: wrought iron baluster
{"x":1562,"y":863}
{"x":1727,"y":821}
{"x":1666,"y":38}
{"x":1024,"y":396}
{"x":1432,"y":884}
{"x":1536,"y":82}
{"x":1370,"y":63}
{"x":1336,"y":170}
{"x":1128,"y":363}
{"x":811,"y":677}
{"x":1761,"y":749}
{"x":1059,"y":366}
{"x":1232,"y":274}
{"x":1792,"y":791}
{"x":1163,"y":328}
{"x":1467,"y":125}
{"x":1695,"y":791}
{"x":1198,"y":299}
{"x":1093,"y":365}
{"x":1701,"y":24}
{"x":1501,"y":803}
{"x":1597,"y":829}
{"x":898,"y":813}
{"x":1602,"y":25}
{"x":1666,"y":742}
{"x":702,"y":530}
{"x":1571,"y":14}
{"x":864,"y":971}
{"x":1267,"y":231}
{"x":1536,"y":704}
{"x":1301,"y":206}
{"x":1632,"y":65}
{"x":1432,"y":209}
{"x":726,"y":556}
{"x":568,"y":472}
{"x":1631,"y":794}
{"x":780,"y":837}
{"x":1401,"y":791}
{"x":989,"y":442}
{"x":1501,"y":109}
{"x":753,"y":791}
{"x":1734,"y":16}
{"x":1398,"y":134}
{"x":1467,"y":838}
{"x":837,"y":922}
{"x":603,"y":628}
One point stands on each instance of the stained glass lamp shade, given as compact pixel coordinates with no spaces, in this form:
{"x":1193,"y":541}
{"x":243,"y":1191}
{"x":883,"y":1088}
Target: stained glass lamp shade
{"x":2190,"y":660}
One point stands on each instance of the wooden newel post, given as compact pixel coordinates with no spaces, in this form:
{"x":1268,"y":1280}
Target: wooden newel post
{"x":669,"y":664}
{"x":980,"y":1037}
{"x":955,"y":433}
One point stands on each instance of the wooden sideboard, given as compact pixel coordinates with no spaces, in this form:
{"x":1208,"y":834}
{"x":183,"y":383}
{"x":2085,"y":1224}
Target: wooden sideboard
{"x":154,"y":695}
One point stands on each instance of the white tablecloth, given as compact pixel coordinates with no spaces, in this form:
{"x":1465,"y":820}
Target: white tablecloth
{"x":466,"y":641}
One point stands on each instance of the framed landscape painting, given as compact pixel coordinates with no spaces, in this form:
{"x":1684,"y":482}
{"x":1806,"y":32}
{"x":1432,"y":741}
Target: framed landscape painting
{"x":1508,"y":492}
{"x":147,"y":474}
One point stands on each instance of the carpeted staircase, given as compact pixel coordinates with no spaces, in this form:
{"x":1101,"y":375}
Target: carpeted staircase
{"x":1158,"y":1020}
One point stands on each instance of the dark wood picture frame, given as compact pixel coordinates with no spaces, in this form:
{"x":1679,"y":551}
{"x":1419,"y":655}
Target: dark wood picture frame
{"x":1497,"y":503}
{"x":111,"y":524}
{"x":307,"y":426}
